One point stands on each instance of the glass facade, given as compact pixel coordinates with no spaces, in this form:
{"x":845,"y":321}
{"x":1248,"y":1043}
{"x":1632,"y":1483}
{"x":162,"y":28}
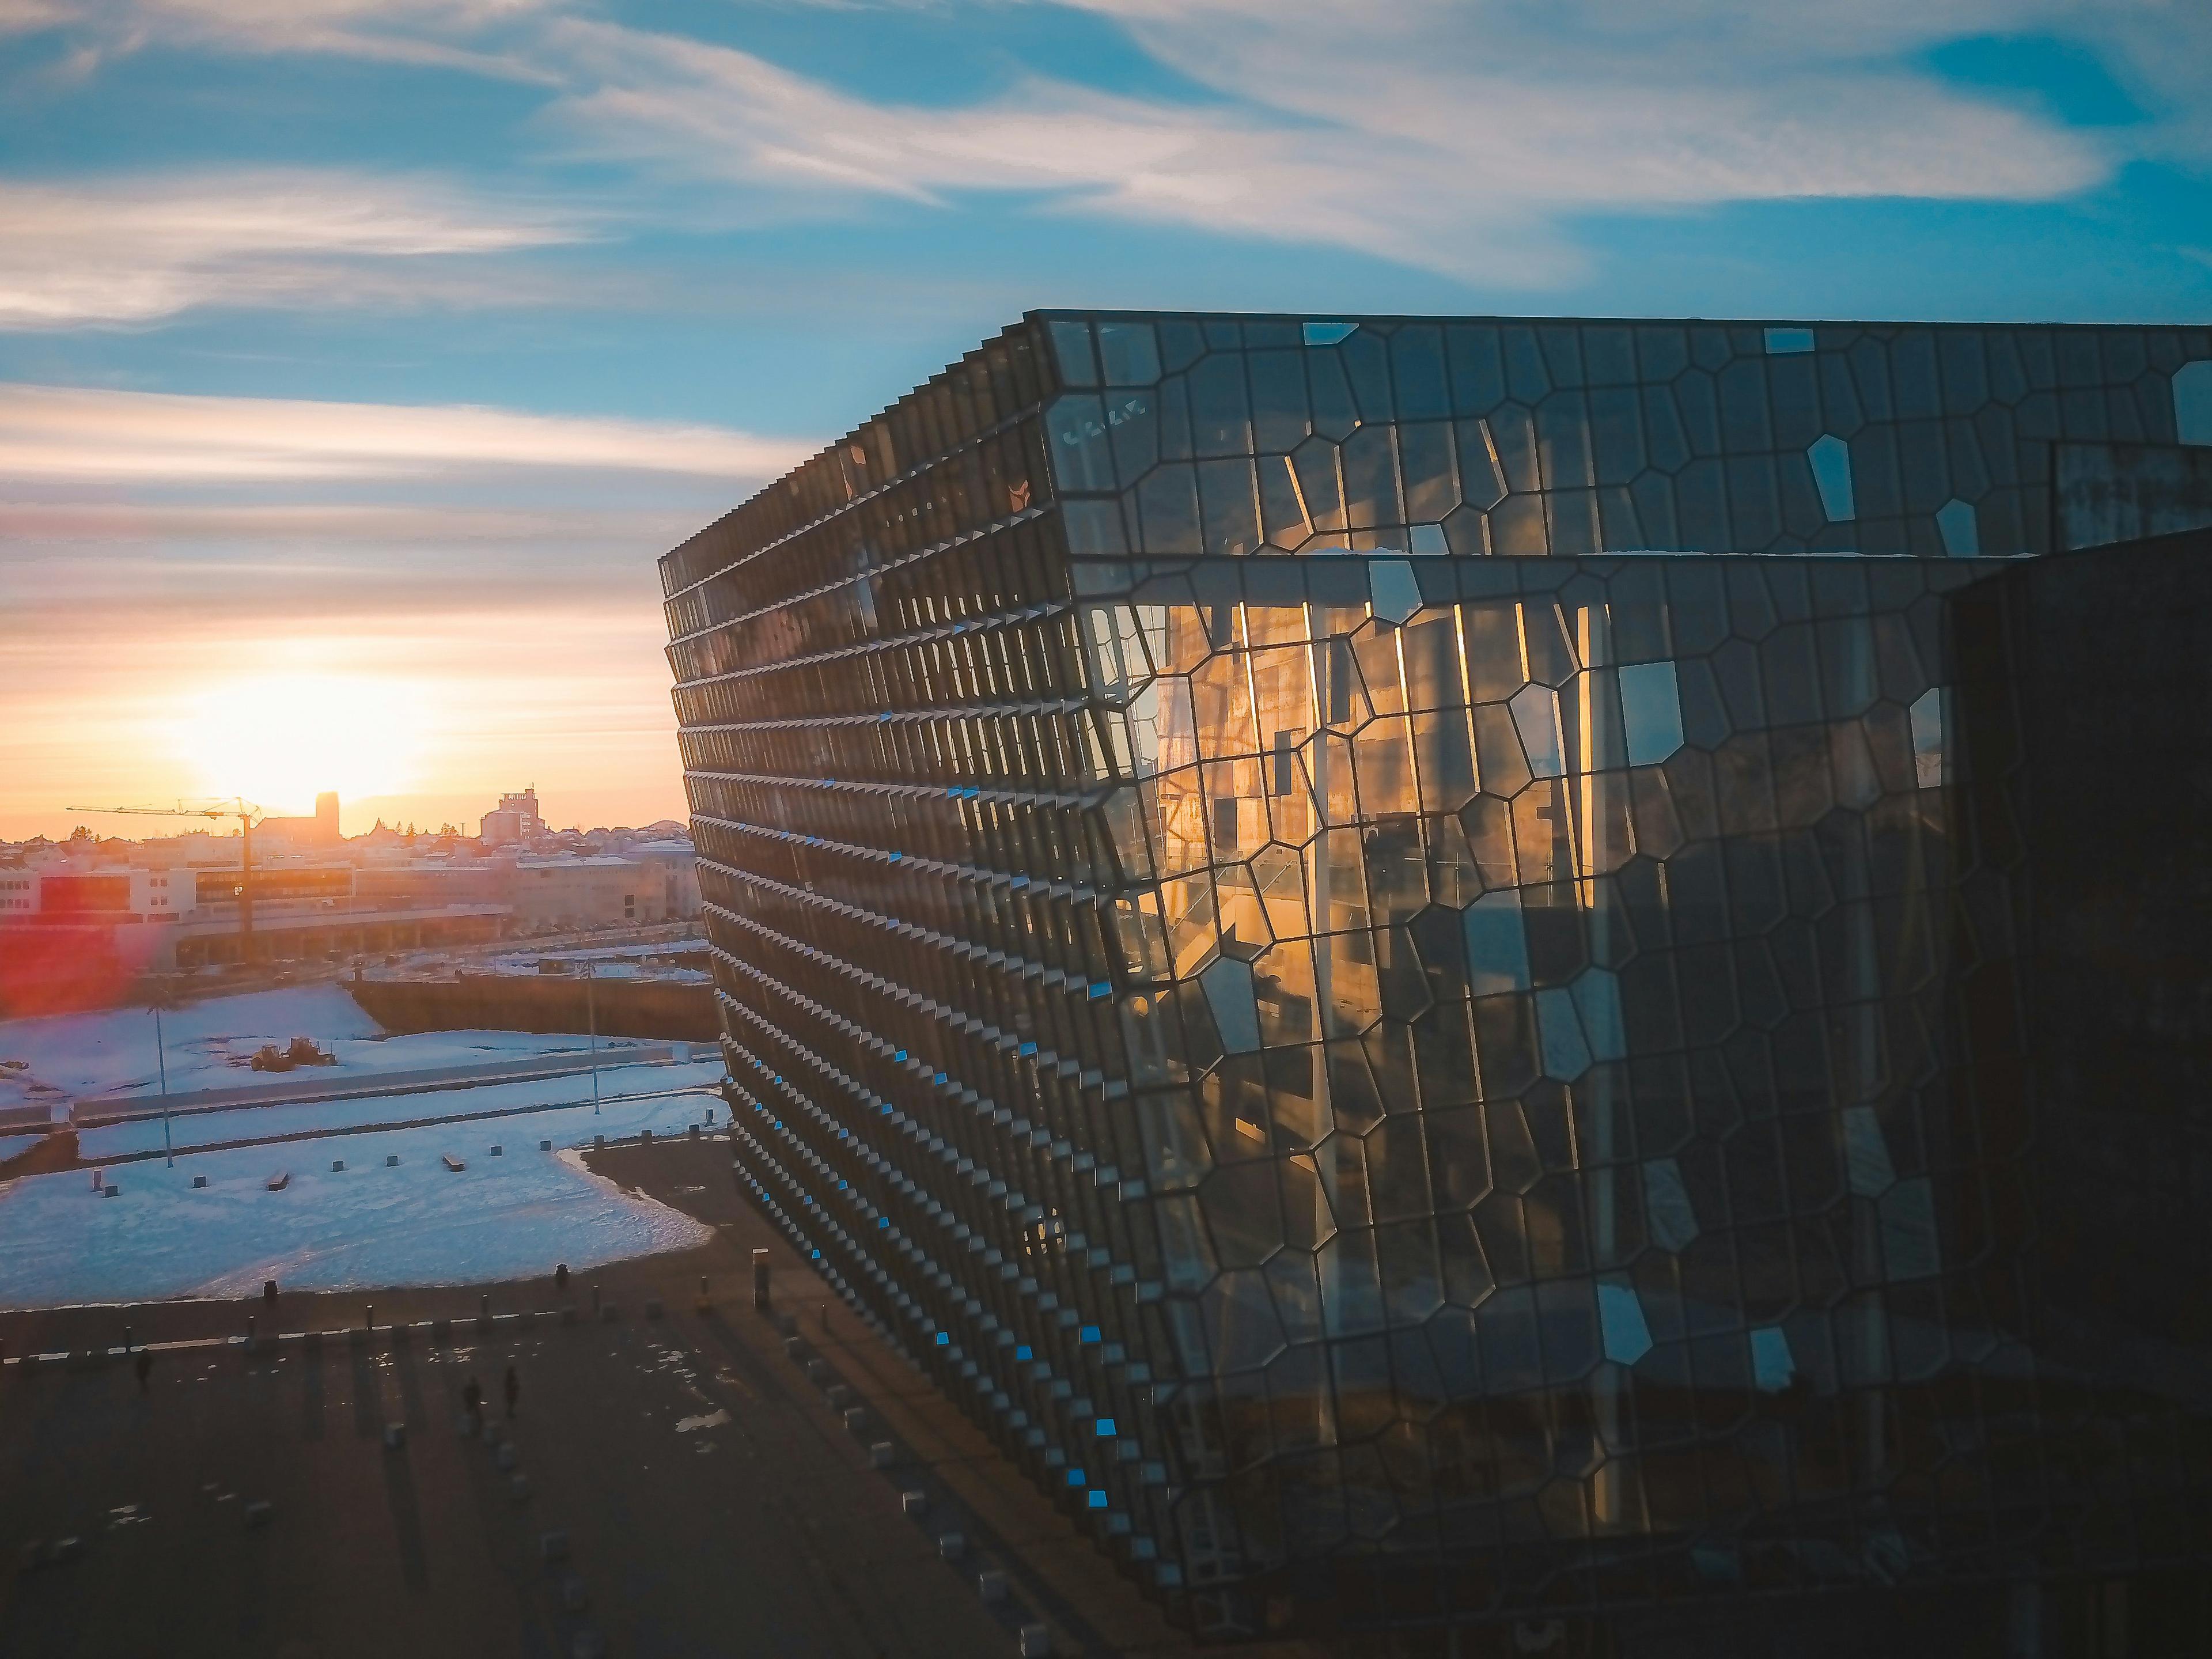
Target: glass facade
{"x":1392,"y":949}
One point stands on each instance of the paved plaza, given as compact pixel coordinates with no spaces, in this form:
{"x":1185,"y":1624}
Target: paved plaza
{"x":683,"y":1488}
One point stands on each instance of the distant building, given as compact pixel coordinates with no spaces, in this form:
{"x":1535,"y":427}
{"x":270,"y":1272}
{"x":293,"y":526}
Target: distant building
{"x":113,"y":895}
{"x":19,"y":892}
{"x":671,"y":872}
{"x":320,"y":830}
{"x":515,"y":822}
{"x":594,"y":891}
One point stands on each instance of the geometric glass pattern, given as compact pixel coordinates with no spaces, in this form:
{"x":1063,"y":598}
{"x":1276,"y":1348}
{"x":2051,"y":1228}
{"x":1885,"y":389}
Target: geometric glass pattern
{"x":1369,"y":939}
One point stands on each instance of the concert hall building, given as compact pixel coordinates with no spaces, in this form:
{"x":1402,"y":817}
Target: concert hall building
{"x":1490,"y":972}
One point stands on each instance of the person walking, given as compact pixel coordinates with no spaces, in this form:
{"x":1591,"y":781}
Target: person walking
{"x":144,"y":1366}
{"x":513,"y":1392}
{"x":472,"y":1404}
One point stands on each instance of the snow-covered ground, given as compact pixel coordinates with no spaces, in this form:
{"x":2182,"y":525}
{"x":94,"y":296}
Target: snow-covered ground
{"x":368,"y":1226}
{"x":206,"y":1045}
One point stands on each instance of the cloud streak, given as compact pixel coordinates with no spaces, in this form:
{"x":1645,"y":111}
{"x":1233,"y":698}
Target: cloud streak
{"x":133,"y":250}
{"x":67,"y":433}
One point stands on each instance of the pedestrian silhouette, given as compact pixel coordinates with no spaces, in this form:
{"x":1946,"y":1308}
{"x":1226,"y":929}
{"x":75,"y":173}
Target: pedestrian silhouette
{"x":513,"y":1392}
{"x":561,"y":1278}
{"x":472,"y":1403}
{"x":145,"y":1369}
{"x":269,"y":1292}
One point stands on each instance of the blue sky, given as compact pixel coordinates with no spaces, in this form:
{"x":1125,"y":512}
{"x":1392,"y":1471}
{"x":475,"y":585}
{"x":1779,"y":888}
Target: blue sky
{"x":391,"y":339}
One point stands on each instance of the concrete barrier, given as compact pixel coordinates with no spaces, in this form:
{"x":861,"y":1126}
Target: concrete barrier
{"x":914,"y":1503}
{"x":882,"y":1454}
{"x":991,"y":1585}
{"x":951,"y":1546}
{"x":1036,"y":1641}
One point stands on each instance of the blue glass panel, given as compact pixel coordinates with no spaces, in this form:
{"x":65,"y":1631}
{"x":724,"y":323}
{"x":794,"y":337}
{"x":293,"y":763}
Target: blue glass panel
{"x":1832,"y":472}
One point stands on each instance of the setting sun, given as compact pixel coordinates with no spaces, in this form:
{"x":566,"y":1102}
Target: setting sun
{"x":279,"y":739}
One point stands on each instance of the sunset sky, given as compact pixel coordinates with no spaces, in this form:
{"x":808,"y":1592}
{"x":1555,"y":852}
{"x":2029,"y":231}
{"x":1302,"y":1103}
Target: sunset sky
{"x":358,"y":357}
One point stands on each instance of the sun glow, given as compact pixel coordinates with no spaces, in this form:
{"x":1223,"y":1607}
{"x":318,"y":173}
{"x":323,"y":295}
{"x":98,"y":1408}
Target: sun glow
{"x":280,"y":740}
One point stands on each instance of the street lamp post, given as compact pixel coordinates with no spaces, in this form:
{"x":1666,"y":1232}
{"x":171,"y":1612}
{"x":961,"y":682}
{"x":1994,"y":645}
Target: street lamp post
{"x":161,"y":1066}
{"x":592,"y":1013}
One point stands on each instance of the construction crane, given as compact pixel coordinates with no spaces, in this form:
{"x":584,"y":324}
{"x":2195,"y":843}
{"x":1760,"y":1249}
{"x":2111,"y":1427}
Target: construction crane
{"x":247,"y":815}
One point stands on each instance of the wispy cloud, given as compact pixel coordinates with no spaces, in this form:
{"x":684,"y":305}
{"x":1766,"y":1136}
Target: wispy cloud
{"x":135,"y":249}
{"x":145,"y":437}
{"x":1461,"y":139}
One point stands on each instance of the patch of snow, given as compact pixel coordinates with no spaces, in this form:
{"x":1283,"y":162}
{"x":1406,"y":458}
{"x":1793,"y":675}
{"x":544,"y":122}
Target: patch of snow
{"x":368,"y":1226}
{"x":714,"y":1420}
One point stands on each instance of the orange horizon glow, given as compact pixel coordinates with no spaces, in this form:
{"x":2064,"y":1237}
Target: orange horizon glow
{"x":408,"y":720}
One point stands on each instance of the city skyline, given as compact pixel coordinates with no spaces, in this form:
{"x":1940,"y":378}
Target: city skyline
{"x":402,"y":410}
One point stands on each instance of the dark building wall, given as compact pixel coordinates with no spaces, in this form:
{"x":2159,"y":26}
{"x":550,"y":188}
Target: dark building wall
{"x":2106,"y":493}
{"x":1408,"y":1086}
{"x":2089,"y":699}
{"x":508,"y":1002}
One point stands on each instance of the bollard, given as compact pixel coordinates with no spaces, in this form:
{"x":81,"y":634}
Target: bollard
{"x":391,"y":1160}
{"x":595,"y":1298}
{"x":395,"y":1435}
{"x":760,"y":1280}
{"x":257,"y":1513}
{"x":598,"y":1143}
{"x":914,"y":1503}
{"x":269,"y":1292}
{"x":199,"y":1181}
{"x":991,"y":1585}
{"x":882,"y":1454}
{"x":856,"y":1422}
{"x":553,"y":1547}
{"x":498,"y":1152}
{"x":1036,"y":1641}
{"x":706,"y":1302}
{"x":505,"y":1457}
{"x":368,"y":1318}
{"x":544,"y":1146}
{"x":518,"y":1488}
{"x":695,"y":1131}
{"x":338,"y":1165}
{"x":645,"y":1137}
{"x":951,"y":1547}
